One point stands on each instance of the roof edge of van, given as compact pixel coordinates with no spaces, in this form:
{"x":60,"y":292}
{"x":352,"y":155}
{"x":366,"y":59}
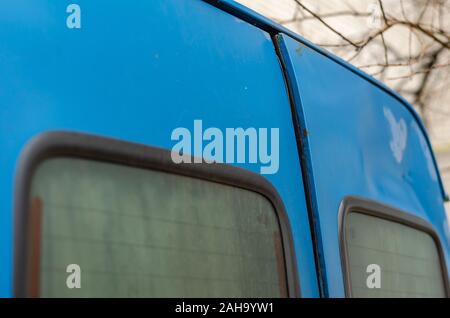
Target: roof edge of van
{"x":248,"y":15}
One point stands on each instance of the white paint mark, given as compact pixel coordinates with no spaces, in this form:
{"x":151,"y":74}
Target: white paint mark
{"x":399,"y":135}
{"x":267,"y":35}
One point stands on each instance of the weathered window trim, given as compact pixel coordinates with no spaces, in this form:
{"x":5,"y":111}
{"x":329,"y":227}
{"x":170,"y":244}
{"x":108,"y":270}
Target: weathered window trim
{"x":363,"y":206}
{"x":67,"y":144}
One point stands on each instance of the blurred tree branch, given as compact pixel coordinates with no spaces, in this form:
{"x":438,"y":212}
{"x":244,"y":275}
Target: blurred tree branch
{"x":428,"y":35}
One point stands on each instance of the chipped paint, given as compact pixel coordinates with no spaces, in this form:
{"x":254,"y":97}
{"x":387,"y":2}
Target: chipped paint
{"x":299,"y":50}
{"x":267,"y":36}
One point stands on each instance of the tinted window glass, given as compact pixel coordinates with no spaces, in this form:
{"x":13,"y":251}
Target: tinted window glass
{"x":408,"y":259}
{"x":137,"y":232}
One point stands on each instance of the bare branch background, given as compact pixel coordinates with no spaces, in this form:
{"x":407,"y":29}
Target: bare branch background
{"x":404,"y":43}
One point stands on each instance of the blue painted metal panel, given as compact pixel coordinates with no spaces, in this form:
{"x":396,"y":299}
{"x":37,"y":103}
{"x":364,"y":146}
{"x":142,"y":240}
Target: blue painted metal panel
{"x":135,"y":72}
{"x":274,"y":28}
{"x":358,"y":140}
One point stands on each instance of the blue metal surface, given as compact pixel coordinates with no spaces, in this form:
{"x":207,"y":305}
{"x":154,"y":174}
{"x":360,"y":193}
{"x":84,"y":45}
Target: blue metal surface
{"x":135,"y":71}
{"x":359,"y":141}
{"x":273,"y":28}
